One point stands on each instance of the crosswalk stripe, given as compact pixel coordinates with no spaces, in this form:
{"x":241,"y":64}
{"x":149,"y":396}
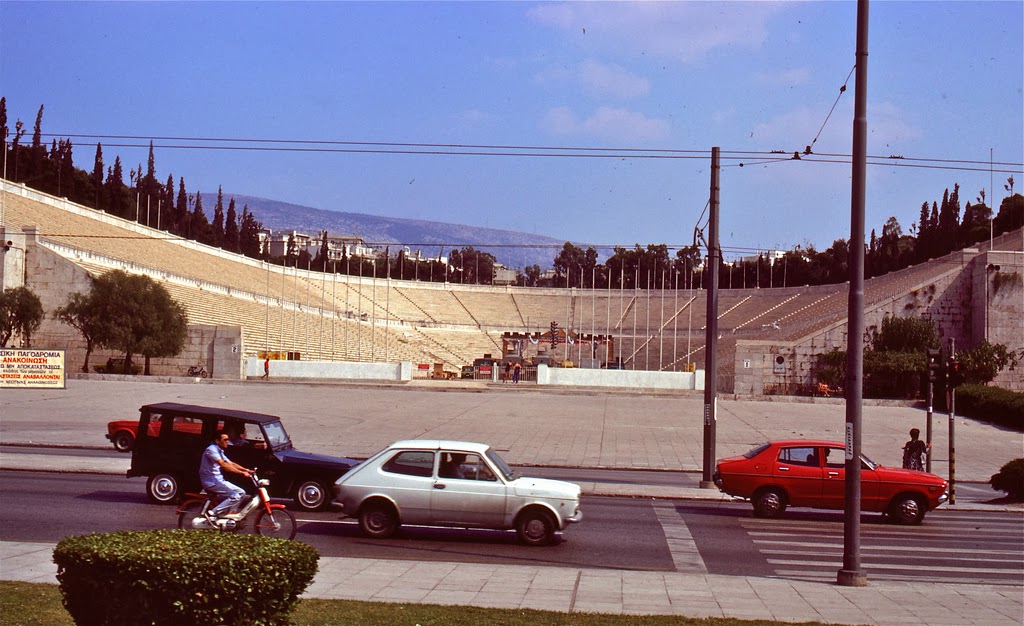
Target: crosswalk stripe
{"x":891,"y":566}
{"x":1014,"y":560}
{"x":680,"y":541}
{"x":825,"y":577}
{"x":1015,"y":555}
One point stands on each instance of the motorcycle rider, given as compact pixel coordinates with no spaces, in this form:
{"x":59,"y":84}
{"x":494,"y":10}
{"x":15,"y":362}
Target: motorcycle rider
{"x":212,"y":479}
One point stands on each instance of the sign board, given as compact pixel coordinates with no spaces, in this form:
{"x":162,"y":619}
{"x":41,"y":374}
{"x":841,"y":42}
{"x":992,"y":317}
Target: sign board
{"x":31,"y":369}
{"x":779,"y":365}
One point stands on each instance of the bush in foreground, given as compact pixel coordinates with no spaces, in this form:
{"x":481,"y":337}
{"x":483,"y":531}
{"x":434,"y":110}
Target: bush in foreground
{"x":177,"y":577}
{"x":1010,"y":478}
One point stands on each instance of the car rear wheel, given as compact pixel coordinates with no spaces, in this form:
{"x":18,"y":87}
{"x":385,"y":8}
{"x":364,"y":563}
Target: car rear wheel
{"x":312,"y":495}
{"x":907,"y":509}
{"x":535,"y":528}
{"x":123,"y":441}
{"x":769,"y":503}
{"x":163,"y":488}
{"x":378,"y":520}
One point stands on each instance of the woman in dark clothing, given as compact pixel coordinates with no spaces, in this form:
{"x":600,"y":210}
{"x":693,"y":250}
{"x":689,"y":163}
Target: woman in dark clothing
{"x":914,"y":451}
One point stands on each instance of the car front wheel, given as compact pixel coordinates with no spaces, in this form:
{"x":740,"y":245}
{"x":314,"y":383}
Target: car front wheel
{"x":535,"y":528}
{"x":769,"y":503}
{"x":378,"y":520}
{"x":907,"y":509}
{"x":163,"y":488}
{"x":312,"y":495}
{"x":124,"y":441}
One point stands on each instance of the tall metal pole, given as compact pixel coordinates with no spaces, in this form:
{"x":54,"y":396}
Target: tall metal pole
{"x":851,"y":575}
{"x":711,"y":338}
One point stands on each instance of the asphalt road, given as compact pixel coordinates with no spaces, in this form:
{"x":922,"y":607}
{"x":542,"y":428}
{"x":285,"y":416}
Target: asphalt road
{"x":619,"y":533}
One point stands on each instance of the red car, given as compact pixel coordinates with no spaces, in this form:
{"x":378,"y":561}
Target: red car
{"x":778,"y":474}
{"x":122,"y":433}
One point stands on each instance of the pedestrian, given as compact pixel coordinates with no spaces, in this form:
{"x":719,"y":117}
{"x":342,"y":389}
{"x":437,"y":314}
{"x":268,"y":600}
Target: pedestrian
{"x":516,"y":369}
{"x":914,"y":451}
{"x":266,"y":367}
{"x":507,"y":373}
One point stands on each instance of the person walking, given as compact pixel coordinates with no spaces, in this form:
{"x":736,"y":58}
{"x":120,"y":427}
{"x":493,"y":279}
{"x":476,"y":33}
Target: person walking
{"x":914,"y":451}
{"x":266,"y":367}
{"x":516,"y":370}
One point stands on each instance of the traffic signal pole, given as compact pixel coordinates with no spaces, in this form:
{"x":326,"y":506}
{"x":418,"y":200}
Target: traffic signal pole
{"x":951,"y":402}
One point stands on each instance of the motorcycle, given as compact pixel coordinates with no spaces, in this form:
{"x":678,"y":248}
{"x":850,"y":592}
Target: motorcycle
{"x":270,"y":519}
{"x":197,"y":371}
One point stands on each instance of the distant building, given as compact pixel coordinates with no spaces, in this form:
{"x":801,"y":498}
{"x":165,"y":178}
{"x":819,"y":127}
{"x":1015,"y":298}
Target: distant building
{"x":338,"y":246}
{"x":504,"y":275}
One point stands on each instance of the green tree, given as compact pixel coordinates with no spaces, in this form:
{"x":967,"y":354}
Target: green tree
{"x":21,"y":313}
{"x":84,"y":313}
{"x":97,"y":176}
{"x":904,"y":334}
{"x":141,"y":317}
{"x":181,"y":215}
{"x":217,"y":234}
{"x":231,"y":228}
{"x":249,"y":235}
{"x":1011,"y":213}
{"x":199,"y":225}
{"x":981,"y":363}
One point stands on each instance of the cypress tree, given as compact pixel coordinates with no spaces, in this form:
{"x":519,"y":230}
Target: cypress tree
{"x":115,"y":189}
{"x":97,"y":175}
{"x":181,"y":216}
{"x":231,"y":228}
{"x":217,"y":234}
{"x":200,"y":225}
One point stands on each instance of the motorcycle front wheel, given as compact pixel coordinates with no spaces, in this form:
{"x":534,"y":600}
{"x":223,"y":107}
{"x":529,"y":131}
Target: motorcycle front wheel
{"x":276,"y":523}
{"x":189,"y":512}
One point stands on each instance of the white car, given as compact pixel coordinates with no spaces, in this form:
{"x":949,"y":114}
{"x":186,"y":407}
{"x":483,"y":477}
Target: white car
{"x":458,"y":484}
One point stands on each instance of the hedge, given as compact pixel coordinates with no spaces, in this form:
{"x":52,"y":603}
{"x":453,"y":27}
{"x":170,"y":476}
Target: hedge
{"x":991,"y":404}
{"x":173,"y":577}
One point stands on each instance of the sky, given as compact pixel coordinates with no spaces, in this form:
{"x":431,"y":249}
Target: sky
{"x":654,"y":86}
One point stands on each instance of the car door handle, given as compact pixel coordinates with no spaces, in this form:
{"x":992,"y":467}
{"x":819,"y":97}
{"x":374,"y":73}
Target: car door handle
{"x":833,"y":473}
{"x":438,"y":485}
{"x":783,"y":469}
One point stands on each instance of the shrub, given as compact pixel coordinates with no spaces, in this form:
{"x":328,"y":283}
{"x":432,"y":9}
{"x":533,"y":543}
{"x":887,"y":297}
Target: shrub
{"x":992,"y":404}
{"x":172,"y":577}
{"x":1010,"y":478}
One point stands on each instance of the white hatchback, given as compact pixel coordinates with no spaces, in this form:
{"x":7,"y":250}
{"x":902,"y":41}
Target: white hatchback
{"x":457,"y":484}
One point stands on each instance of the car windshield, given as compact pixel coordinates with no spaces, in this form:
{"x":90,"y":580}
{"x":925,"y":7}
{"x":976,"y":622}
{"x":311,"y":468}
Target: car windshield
{"x":500,"y":463}
{"x":756,"y":451}
{"x":277,"y":438}
{"x":868,"y":462}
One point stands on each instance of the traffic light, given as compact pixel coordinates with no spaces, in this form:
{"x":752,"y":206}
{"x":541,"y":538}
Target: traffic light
{"x":954,"y":375}
{"x":934,"y":364}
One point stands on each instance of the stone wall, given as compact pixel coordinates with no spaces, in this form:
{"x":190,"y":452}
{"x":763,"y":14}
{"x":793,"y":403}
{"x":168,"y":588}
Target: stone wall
{"x":53,"y":278}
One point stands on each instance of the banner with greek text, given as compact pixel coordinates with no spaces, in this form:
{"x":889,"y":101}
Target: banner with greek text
{"x":31,"y":369}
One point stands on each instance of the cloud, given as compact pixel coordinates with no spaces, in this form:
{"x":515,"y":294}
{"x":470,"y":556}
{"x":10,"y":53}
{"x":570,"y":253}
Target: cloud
{"x":888,"y":129}
{"x":606,"y":123}
{"x":685,"y":31}
{"x":613,"y":81}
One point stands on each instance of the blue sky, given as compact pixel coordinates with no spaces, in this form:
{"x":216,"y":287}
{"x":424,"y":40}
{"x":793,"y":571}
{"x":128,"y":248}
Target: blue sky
{"x":946,"y":81}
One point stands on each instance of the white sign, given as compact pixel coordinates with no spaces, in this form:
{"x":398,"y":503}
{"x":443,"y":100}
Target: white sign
{"x":849,"y":440}
{"x":746,"y":364}
{"x":31,"y":369}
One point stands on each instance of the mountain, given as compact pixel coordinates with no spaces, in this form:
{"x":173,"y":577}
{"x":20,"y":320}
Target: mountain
{"x":512,"y":248}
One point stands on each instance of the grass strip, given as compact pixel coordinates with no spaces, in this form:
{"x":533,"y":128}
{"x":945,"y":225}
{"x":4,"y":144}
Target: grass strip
{"x":37,"y":604}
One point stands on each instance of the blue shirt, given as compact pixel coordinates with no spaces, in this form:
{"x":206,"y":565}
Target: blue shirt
{"x":209,"y":468}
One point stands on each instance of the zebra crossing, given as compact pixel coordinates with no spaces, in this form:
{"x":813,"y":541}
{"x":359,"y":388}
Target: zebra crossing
{"x":950,"y":547}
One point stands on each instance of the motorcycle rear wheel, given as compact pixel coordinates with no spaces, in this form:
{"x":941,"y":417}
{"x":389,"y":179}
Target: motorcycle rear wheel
{"x":277,"y":523}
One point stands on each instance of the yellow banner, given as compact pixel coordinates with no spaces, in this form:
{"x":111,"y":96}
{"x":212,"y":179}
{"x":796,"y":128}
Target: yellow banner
{"x":31,"y":369}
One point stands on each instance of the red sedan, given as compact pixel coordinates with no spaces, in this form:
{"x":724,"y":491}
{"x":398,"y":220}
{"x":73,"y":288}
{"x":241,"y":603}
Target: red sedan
{"x":778,"y":474}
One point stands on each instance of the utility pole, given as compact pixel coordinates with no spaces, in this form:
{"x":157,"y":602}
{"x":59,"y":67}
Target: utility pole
{"x":711,"y":338}
{"x":851,"y":575}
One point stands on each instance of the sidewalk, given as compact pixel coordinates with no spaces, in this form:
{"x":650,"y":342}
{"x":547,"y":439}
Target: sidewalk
{"x":569,"y":589}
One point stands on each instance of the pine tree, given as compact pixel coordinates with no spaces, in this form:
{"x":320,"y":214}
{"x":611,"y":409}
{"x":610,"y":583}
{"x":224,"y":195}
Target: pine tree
{"x":217,"y":234}
{"x":97,"y":175}
{"x":249,"y":235}
{"x":4,"y":130}
{"x":231,"y":229}
{"x":37,"y":131}
{"x":924,"y":234}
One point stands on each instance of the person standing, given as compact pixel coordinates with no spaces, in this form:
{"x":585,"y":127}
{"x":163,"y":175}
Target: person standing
{"x":516,"y":369}
{"x":914,"y":451}
{"x":211,"y":476}
{"x":266,"y":367}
